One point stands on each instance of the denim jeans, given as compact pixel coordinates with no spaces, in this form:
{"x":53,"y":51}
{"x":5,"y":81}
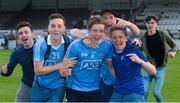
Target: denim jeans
{"x":23,"y":94}
{"x":41,"y":94}
{"x":116,"y":97}
{"x":158,"y":83}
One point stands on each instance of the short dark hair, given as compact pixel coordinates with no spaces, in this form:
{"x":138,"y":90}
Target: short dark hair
{"x":107,"y":11}
{"x":23,"y":24}
{"x":95,"y":12}
{"x":148,"y":18}
{"x":95,"y":20}
{"x":57,"y":15}
{"x":116,"y":27}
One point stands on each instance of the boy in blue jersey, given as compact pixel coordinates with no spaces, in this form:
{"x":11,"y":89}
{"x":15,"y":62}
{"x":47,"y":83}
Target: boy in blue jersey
{"x":23,"y":56}
{"x":83,"y":85}
{"x":131,"y":30}
{"x":127,"y":62}
{"x":110,"y":20}
{"x":49,"y":84}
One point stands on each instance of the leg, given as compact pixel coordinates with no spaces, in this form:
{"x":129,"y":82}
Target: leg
{"x":106,"y":91}
{"x":133,"y":98}
{"x":73,"y":95}
{"x":147,"y":83}
{"x":158,"y":84}
{"x":23,"y":94}
{"x":92,"y":96}
{"x":106,"y":84}
{"x":38,"y":94}
{"x":116,"y":97}
{"x":56,"y":95}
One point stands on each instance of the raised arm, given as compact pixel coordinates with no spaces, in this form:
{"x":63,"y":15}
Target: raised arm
{"x":7,"y":69}
{"x":123,"y":24}
{"x":77,"y":34}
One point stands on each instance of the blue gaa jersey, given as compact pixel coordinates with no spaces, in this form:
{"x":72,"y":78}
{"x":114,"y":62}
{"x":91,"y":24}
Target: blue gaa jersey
{"x":54,"y":79}
{"x":128,"y":74}
{"x":85,"y":74}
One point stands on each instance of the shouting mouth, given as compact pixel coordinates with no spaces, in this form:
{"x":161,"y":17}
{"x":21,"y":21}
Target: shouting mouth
{"x":25,"y":39}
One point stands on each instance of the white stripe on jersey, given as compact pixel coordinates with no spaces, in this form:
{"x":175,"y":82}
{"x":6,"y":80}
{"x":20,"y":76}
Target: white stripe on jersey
{"x":70,"y":46}
{"x":37,"y":49}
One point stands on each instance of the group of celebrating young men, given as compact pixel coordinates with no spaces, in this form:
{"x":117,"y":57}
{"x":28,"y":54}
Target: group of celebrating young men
{"x":103,"y":66}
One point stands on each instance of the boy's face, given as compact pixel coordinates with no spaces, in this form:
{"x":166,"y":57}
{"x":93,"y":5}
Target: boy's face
{"x":119,"y":39}
{"x":109,"y":19}
{"x":151,"y":25}
{"x":25,"y":35}
{"x":56,"y":28}
{"x":96,"y":31}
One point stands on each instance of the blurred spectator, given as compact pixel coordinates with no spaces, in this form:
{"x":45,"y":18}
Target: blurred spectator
{"x":95,"y":13}
{"x":123,"y":16}
{"x":75,"y":23}
{"x":40,"y":35}
{"x":5,"y":42}
{"x":84,"y":23}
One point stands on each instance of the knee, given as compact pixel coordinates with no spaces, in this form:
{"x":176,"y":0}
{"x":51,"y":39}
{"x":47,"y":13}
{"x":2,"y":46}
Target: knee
{"x":157,"y":94}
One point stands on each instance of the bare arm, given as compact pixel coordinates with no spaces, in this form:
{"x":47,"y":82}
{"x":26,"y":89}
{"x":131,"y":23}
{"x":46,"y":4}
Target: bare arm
{"x":77,"y":34}
{"x":40,"y":69}
{"x":146,"y":65}
{"x":123,"y":23}
{"x":110,"y":66}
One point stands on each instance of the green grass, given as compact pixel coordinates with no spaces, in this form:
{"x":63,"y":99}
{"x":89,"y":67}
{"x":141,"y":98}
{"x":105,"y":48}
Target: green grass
{"x":171,"y":88}
{"x":9,"y":86}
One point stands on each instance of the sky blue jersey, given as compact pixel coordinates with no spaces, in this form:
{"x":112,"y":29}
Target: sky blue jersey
{"x":85,"y":75}
{"x":54,"y":79}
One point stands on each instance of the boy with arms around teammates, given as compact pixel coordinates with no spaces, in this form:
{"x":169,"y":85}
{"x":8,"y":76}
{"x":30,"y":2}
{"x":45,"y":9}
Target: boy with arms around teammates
{"x":110,"y":20}
{"x":49,"y":84}
{"x":84,"y":82}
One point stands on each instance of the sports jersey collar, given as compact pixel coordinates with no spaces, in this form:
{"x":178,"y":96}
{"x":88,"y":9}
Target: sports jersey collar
{"x":98,"y":43}
{"x":49,"y":41}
